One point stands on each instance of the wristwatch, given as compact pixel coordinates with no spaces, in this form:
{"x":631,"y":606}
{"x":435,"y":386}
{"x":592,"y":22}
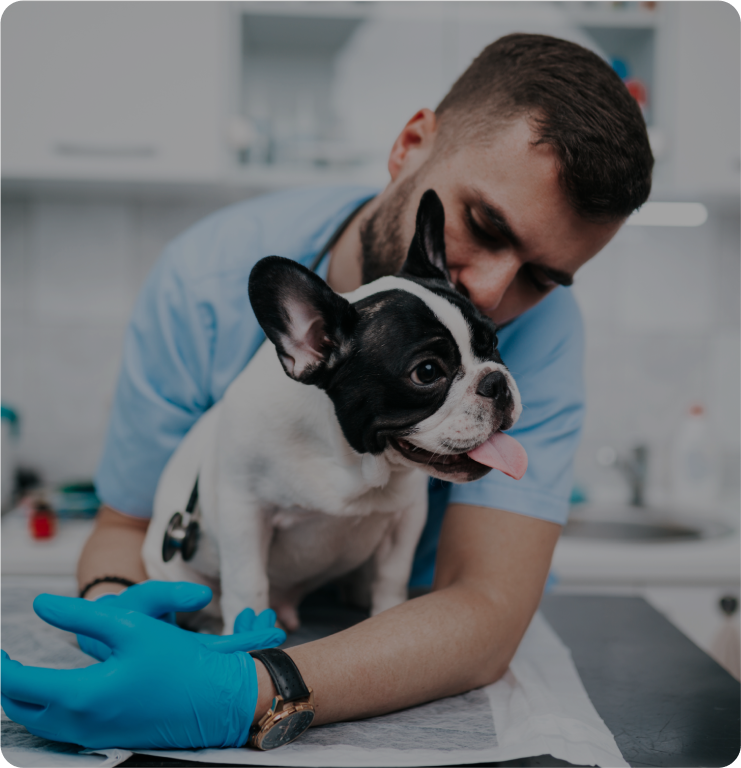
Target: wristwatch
{"x":292,"y":710}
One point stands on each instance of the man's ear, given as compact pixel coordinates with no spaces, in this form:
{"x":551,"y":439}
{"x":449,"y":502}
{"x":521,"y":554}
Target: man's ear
{"x":426,"y":257}
{"x":413,"y":145}
{"x":310,"y":325}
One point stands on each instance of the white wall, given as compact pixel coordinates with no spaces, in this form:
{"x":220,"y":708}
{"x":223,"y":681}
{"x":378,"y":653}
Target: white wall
{"x":661,"y":308}
{"x":71,"y":269}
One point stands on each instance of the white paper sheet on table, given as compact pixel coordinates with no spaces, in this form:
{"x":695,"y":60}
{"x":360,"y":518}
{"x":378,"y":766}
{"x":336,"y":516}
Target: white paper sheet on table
{"x":31,"y":641}
{"x":539,"y":707}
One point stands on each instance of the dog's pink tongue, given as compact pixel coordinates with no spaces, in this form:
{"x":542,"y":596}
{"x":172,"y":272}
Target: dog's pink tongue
{"x":502,"y":452}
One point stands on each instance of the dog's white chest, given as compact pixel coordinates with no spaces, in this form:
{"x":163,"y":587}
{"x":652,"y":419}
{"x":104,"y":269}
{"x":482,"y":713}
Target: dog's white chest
{"x":283,"y":519}
{"x":317,"y":546}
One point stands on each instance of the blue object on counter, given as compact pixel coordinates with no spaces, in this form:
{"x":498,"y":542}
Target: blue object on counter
{"x":620,"y":67}
{"x":578,"y":495}
{"x":551,"y":582}
{"x":75,"y":500}
{"x":12,"y":417}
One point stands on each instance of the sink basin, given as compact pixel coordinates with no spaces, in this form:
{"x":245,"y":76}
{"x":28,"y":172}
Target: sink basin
{"x":632,"y":524}
{"x":616,"y":530}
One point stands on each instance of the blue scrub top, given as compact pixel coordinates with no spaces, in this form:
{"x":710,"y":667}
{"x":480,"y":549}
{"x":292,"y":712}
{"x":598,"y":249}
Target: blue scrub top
{"x":193,"y":331}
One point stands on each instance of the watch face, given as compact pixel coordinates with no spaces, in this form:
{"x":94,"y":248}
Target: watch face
{"x":287,"y":729}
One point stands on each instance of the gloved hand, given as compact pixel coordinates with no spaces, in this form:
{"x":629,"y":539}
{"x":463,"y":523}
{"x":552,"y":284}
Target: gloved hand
{"x":162,"y":599}
{"x":161,"y":687}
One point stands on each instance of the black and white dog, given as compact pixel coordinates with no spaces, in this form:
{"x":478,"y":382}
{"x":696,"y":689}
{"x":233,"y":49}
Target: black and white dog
{"x":302,"y":484}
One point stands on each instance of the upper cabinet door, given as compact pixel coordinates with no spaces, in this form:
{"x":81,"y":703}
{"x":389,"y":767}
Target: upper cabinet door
{"x":132,"y":91}
{"x":706,"y":79}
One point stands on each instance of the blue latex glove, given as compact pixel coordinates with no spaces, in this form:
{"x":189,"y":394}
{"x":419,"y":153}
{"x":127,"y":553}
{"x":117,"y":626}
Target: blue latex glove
{"x":161,"y":687}
{"x":162,"y":599}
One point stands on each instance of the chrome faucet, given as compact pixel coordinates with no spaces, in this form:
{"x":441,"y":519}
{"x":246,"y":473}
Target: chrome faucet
{"x":634,"y":468}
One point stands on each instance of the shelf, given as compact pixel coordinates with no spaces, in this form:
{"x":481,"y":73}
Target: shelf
{"x":362,"y":11}
{"x":279,"y":177}
{"x":333,"y":10}
{"x":589,"y":14}
{"x":268,"y":35}
{"x":606,"y":17}
{"x":239,"y":181}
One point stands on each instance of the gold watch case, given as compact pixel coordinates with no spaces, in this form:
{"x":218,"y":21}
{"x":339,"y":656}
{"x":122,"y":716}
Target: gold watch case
{"x":284,"y":722}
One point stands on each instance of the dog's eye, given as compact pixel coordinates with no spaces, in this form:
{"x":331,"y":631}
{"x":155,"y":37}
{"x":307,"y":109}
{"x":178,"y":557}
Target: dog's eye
{"x":426,"y":373}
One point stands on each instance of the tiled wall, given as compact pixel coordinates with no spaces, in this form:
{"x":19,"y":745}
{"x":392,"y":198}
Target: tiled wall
{"x":70,"y":274}
{"x":661,"y":307}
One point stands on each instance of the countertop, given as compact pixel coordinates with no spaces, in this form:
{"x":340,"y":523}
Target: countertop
{"x":666,"y":702}
{"x":57,"y":556}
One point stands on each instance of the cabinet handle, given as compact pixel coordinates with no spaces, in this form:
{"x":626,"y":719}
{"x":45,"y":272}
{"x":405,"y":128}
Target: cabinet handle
{"x":729,"y":605}
{"x":123,"y":151}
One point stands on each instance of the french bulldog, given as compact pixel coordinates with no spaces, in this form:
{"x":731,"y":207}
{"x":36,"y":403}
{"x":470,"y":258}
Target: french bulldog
{"x":316,"y":459}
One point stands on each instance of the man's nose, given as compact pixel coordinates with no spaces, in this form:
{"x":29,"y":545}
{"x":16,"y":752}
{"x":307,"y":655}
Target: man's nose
{"x":486,"y":283}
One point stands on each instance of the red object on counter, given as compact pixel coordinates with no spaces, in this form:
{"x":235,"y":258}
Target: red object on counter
{"x":42,"y":522}
{"x":638,"y":91}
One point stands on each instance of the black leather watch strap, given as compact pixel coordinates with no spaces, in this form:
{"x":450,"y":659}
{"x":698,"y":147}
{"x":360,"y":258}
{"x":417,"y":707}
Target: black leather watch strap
{"x":288,"y":681}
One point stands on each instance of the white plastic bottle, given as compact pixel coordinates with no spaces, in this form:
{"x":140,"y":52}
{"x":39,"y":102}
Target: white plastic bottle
{"x":695,"y":464}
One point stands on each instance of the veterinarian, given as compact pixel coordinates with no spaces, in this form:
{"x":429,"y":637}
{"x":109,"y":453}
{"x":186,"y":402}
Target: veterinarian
{"x":539,"y":155}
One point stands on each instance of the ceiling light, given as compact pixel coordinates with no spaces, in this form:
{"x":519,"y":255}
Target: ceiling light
{"x":669,"y":215}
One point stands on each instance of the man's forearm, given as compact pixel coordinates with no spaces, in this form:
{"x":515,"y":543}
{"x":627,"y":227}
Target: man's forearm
{"x":491,"y":570}
{"x":438,"y":645}
{"x":113,"y":549}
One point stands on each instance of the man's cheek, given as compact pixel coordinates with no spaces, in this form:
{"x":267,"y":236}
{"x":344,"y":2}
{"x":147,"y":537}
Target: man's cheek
{"x":518,"y":298}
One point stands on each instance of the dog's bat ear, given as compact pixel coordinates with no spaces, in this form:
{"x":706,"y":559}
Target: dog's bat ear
{"x":426,"y":257}
{"x":310,"y":325}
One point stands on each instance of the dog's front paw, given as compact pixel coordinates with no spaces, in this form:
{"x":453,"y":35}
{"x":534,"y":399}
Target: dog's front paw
{"x":230,"y":610}
{"x":232,"y":604}
{"x":228,"y":628}
{"x":287,"y":617}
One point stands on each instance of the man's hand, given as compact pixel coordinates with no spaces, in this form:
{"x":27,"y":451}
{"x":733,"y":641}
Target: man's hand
{"x":162,"y":599}
{"x":161,"y":687}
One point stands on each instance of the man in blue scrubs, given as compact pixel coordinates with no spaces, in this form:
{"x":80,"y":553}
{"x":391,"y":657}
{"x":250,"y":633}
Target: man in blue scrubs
{"x":538,"y":154}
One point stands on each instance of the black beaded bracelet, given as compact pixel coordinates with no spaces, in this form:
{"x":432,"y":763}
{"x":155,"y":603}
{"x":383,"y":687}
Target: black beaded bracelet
{"x":103,"y":580}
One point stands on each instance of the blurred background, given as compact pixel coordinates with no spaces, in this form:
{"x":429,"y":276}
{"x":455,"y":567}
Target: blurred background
{"x":124,"y":123}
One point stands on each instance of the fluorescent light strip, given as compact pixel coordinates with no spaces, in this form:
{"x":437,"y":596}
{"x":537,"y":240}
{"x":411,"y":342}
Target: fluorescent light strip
{"x":669,"y":215}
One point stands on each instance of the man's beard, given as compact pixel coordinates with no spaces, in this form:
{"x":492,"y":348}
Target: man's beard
{"x":383,"y":247}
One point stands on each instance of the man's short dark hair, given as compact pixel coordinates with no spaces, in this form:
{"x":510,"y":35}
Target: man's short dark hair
{"x":574,"y":101}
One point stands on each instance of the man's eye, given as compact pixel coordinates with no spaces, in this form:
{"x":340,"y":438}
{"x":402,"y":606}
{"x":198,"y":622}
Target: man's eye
{"x":426,"y":373}
{"x":490,"y":238}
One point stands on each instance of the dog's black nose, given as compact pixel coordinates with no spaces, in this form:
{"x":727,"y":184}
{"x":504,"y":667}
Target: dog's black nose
{"x":493,"y":385}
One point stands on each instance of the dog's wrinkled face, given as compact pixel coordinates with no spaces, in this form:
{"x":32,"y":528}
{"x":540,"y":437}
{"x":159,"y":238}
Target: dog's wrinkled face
{"x":410,"y":364}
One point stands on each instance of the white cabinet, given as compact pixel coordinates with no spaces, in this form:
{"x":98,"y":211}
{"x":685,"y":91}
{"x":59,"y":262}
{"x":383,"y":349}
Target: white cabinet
{"x":132,"y":91}
{"x":706,"y":135}
{"x":273,"y":94}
